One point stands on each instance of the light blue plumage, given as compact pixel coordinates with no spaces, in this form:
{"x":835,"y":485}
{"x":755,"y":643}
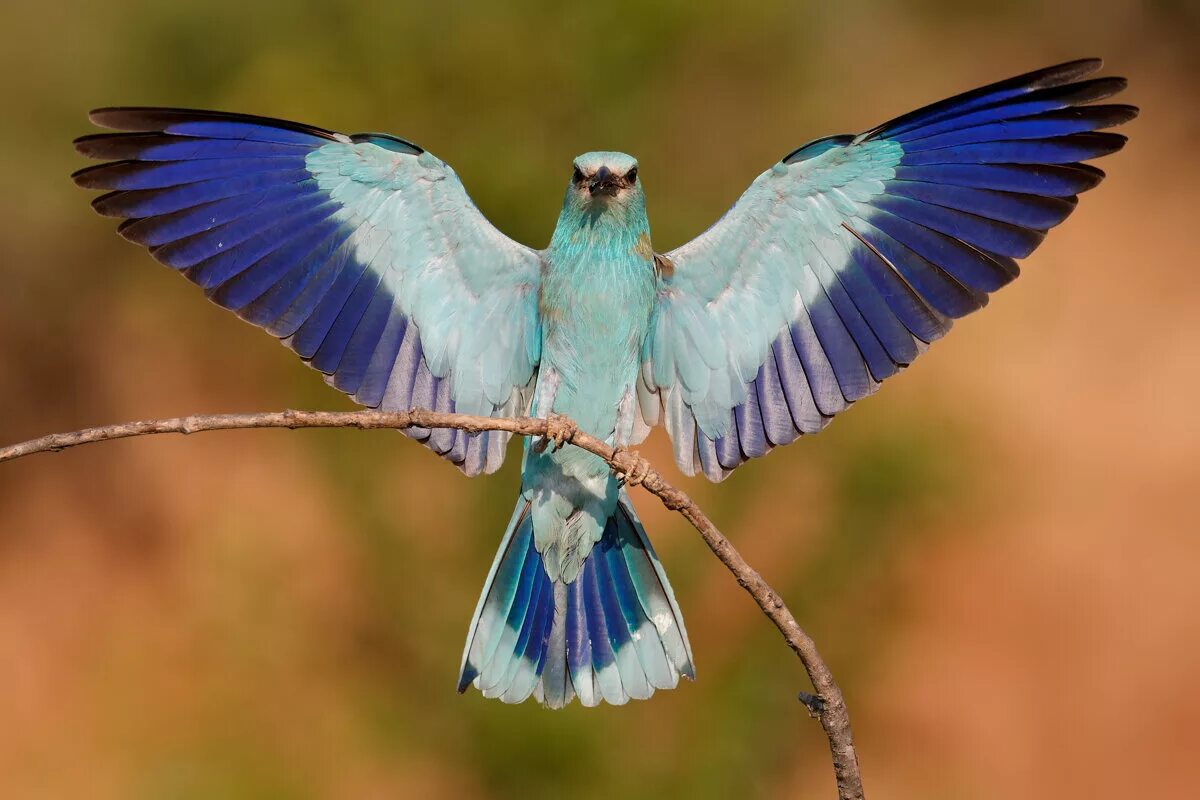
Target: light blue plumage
{"x":833,"y":271}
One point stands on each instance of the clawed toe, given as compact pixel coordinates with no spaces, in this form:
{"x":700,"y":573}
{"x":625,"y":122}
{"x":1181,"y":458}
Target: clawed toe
{"x":631,"y":468}
{"x":560,"y":430}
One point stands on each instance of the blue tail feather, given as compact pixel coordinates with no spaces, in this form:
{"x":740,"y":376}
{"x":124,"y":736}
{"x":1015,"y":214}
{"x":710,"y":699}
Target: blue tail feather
{"x":613,"y":634}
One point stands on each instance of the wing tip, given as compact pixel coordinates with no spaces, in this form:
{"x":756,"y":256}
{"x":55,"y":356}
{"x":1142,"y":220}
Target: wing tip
{"x":83,"y":144}
{"x":89,"y":177}
{"x":1111,"y":115}
{"x":127,"y":231}
{"x":153,"y":119}
{"x":1067,"y":75}
{"x":1074,"y":69}
{"x":1058,"y":74}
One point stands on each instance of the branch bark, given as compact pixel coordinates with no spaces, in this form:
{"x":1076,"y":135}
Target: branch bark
{"x":826,"y":705}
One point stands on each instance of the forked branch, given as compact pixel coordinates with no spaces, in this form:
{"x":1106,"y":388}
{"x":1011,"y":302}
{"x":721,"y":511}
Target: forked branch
{"x":826,"y":705}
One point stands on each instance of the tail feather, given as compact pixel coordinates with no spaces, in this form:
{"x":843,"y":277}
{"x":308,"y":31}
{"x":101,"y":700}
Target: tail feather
{"x":612,"y":634}
{"x":654,"y":592}
{"x":554,"y":689}
{"x":522,"y":674}
{"x":651,"y":655}
{"x":509,"y":586}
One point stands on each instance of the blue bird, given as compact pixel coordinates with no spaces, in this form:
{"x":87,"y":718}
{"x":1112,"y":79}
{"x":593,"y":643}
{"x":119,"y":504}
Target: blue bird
{"x":836,"y":268}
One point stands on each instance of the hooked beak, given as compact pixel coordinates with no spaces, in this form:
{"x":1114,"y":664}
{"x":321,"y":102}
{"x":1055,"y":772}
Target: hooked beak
{"x":604,"y":183}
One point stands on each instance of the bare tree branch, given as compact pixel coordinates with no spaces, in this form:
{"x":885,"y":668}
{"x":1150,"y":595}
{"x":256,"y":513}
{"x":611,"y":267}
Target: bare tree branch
{"x":827,"y":705}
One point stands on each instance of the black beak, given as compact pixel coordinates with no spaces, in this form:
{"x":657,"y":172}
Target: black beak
{"x":604,"y":183}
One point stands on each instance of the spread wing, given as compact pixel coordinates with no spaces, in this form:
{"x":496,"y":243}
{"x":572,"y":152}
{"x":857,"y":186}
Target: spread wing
{"x":840,"y":264}
{"x":363,"y":253}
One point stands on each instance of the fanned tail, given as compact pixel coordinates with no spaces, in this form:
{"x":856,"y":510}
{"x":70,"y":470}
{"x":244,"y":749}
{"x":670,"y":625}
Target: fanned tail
{"x":613,"y":633}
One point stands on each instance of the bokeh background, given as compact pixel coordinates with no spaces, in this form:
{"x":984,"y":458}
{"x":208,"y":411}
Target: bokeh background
{"x":998,"y":555}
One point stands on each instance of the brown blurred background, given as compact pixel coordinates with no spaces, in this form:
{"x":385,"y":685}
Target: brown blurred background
{"x":998,"y":555}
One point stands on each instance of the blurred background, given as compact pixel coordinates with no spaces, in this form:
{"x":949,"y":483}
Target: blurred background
{"x":998,"y":555}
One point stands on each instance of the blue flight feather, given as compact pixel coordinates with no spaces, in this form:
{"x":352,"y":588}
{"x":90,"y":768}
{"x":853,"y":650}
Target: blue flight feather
{"x":772,"y":405}
{"x":969,"y":266}
{"x":329,"y":354}
{"x":805,"y":415}
{"x":164,"y":147}
{"x":1057,"y":150}
{"x":154,"y":202}
{"x":287,"y":304}
{"x":944,"y":294}
{"x":750,"y":434}
{"x":1024,"y":210}
{"x":360,"y":347}
{"x":223,"y":239}
{"x":166,"y":228}
{"x":374,"y":381}
{"x":265,"y":273}
{"x":1047,"y":180}
{"x":1053,"y":123}
{"x":130,"y":175}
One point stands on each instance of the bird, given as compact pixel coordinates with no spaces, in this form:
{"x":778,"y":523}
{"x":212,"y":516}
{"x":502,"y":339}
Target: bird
{"x":837,"y":267}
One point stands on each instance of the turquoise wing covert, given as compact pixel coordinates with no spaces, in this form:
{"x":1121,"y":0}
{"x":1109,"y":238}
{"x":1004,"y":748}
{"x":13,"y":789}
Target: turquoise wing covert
{"x":842,"y":262}
{"x":363,"y":253}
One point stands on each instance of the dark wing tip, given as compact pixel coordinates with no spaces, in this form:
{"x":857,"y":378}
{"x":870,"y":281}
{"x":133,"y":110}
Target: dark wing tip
{"x":1046,"y":79}
{"x":135,"y":118}
{"x":1065,"y":72}
{"x":92,"y":177}
{"x":111,"y":145}
{"x":123,"y":230}
{"x":1090,"y":172}
{"x":101,"y":205}
{"x":1093,"y":89}
{"x":1106,"y":142}
{"x":155,"y":118}
{"x":1114,"y":114}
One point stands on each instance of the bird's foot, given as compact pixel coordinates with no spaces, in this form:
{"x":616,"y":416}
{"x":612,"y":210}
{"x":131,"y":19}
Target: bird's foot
{"x":560,"y":430}
{"x":631,"y":469}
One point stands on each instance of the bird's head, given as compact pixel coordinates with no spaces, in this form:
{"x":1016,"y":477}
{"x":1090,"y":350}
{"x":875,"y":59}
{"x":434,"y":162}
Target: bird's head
{"x":604,"y":201}
{"x":604,"y":181}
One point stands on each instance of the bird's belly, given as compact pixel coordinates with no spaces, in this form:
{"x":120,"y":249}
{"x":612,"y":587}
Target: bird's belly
{"x":594,"y":322}
{"x":592,"y":371}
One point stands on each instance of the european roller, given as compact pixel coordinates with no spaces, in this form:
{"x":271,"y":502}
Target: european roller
{"x":835,"y":269}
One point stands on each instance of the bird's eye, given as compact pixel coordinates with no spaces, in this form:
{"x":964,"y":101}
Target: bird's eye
{"x":578,"y":176}
{"x":631,"y":176}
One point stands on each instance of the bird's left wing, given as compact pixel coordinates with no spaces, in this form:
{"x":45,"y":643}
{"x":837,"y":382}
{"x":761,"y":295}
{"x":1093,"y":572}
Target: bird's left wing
{"x":839,"y":265}
{"x":363,"y":253}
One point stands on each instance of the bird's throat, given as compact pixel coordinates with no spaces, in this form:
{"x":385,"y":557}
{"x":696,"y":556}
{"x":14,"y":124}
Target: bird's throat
{"x":606,"y":227}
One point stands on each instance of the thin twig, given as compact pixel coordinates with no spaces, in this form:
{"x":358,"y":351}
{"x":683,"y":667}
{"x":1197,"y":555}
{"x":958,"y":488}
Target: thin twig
{"x":827,"y":705}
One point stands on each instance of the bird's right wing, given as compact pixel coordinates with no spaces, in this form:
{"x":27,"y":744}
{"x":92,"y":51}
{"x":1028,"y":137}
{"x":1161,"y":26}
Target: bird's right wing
{"x":844,"y":260}
{"x":363,"y":253}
